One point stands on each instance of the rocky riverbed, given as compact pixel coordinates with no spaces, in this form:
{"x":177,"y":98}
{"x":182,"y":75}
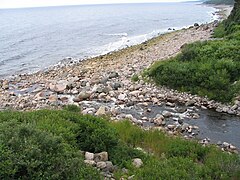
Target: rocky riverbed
{"x":103,"y":86}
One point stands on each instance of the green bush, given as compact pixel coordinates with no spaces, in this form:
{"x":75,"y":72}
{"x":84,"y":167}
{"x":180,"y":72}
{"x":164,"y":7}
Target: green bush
{"x":28,"y":153}
{"x":122,"y":155}
{"x":46,"y":145}
{"x":95,"y":135}
{"x":172,"y":168}
{"x":221,"y":165}
{"x":186,"y":149}
{"x":219,"y":31}
{"x":72,"y":108}
{"x":85,"y":132}
{"x":209,"y":68}
{"x":135,"y":78}
{"x":203,"y":68}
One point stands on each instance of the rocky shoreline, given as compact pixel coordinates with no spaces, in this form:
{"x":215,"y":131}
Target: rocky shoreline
{"x":104,"y":86}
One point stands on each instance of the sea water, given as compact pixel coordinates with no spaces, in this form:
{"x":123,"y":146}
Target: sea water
{"x":32,"y":39}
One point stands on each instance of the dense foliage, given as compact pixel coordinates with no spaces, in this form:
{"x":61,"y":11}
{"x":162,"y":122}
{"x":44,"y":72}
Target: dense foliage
{"x":210,"y":68}
{"x":175,"y":158}
{"x":46,"y":145}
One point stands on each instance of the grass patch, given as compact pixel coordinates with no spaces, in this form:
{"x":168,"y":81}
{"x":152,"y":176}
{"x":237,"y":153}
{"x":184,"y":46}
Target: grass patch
{"x":175,"y":158}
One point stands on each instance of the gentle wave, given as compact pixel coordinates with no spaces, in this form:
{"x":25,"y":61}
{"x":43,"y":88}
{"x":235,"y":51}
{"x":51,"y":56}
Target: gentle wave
{"x":130,"y":41}
{"x":117,"y":34}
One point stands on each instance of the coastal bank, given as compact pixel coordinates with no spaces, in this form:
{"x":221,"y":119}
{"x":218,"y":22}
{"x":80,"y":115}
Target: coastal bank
{"x":112,"y":85}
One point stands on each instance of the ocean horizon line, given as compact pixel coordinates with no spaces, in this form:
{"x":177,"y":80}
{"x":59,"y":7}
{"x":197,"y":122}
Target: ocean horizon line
{"x":100,"y":4}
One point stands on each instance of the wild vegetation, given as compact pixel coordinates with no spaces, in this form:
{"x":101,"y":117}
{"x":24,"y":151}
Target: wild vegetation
{"x":47,"y":145}
{"x":209,"y":68}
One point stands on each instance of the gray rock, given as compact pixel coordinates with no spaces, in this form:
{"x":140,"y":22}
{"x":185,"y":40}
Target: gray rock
{"x":190,"y":103}
{"x":166,"y":114}
{"x":219,"y":143}
{"x":101,"y":111}
{"x":89,"y":156}
{"x":131,"y":177}
{"x":231,"y":112}
{"x":109,"y":167}
{"x":5,"y":84}
{"x":129,"y":116}
{"x":103,"y":156}
{"x":181,"y":109}
{"x":121,"y":97}
{"x":104,"y":80}
{"x":88,"y":111}
{"x":76,"y":99}
{"x":159,"y":120}
{"x":232,"y":147}
{"x":83,"y":83}
{"x":225,"y":145}
{"x":184,"y":126}
{"x":113,"y":75}
{"x":101,"y":165}
{"x":171,"y":126}
{"x":170,"y":104}
{"x":225,"y":109}
{"x":234,"y":107}
{"x":90,"y":162}
{"x":195,"y":116}
{"x":196,"y":25}
{"x":52,"y":98}
{"x":98,"y":88}
{"x":60,"y":87}
{"x":116,"y":86}
{"x":83,"y":95}
{"x":137,"y":162}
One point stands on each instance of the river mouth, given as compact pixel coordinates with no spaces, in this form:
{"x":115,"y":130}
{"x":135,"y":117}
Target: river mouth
{"x":214,"y":126}
{"x":218,"y":127}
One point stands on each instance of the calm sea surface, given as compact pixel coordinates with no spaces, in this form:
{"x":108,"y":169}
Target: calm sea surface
{"x":35,"y":38}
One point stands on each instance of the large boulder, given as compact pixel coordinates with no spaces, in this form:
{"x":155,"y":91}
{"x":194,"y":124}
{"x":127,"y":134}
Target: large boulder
{"x":89,"y":156}
{"x":59,"y":86}
{"x":103,"y":156}
{"x":83,"y":95}
{"x":101,"y":111}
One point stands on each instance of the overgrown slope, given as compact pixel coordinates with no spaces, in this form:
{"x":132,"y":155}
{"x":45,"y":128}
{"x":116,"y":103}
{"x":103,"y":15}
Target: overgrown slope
{"x":210,"y":68}
{"x":46,"y":145}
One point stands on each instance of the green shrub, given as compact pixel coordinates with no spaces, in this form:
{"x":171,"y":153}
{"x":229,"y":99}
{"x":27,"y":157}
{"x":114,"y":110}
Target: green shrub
{"x":203,"y":68}
{"x":72,"y":108}
{"x":219,"y":31}
{"x":85,"y":132}
{"x":28,"y":153}
{"x":135,"y":78}
{"x":122,"y":155}
{"x":187,"y":149}
{"x":46,"y":145}
{"x":209,"y":68}
{"x":95,"y":135}
{"x":172,"y":168}
{"x":222,"y":165}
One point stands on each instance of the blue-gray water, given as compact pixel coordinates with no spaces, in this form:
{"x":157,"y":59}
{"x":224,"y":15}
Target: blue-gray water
{"x":35,"y":38}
